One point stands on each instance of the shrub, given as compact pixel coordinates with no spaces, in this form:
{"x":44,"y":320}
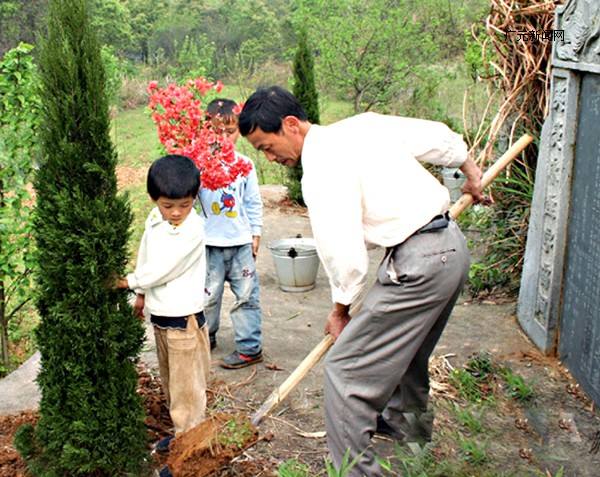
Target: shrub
{"x":91,"y":419}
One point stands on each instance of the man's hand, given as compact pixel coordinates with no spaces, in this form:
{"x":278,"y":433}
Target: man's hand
{"x":473,"y":184}
{"x":255,"y":245}
{"x":121,"y":283}
{"x":337,"y":320}
{"x":138,"y":306}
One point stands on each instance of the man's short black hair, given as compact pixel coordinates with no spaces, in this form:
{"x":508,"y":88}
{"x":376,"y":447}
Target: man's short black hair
{"x":266,"y":108}
{"x":221,"y":107}
{"x":173,"y":177}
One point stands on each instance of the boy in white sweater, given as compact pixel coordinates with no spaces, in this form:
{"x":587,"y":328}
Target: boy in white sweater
{"x":169,"y":282}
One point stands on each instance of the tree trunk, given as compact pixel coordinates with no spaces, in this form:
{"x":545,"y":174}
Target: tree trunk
{"x":3,"y":326}
{"x":3,"y":315}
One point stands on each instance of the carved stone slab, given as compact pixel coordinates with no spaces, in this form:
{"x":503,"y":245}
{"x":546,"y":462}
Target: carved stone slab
{"x":580,"y":50}
{"x":541,"y":281}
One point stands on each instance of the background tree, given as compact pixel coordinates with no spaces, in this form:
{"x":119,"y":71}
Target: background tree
{"x":91,"y":419}
{"x":306,"y":92}
{"x":19,"y":20}
{"x":369,"y":51}
{"x":19,"y":120}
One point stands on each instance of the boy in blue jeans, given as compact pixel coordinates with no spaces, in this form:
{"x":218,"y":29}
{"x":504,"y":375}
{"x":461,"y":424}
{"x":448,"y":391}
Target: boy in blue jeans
{"x":169,"y":281}
{"x":233,"y":223}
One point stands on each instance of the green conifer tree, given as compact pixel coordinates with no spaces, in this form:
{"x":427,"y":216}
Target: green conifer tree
{"x":306,"y":92}
{"x":91,"y":419}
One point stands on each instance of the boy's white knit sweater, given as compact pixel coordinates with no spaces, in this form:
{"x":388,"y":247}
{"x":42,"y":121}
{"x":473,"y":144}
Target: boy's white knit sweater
{"x":171,"y":266}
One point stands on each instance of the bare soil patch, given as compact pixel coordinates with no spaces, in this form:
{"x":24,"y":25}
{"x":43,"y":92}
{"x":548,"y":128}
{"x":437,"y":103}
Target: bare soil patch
{"x":128,"y":176}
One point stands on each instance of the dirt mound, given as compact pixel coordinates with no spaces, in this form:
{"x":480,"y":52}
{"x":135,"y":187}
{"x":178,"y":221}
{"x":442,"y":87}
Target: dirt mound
{"x":158,"y":420}
{"x":11,"y":464}
{"x":206,"y":448}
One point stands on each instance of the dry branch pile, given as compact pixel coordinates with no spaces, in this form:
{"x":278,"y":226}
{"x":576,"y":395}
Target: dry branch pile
{"x":521,"y":65}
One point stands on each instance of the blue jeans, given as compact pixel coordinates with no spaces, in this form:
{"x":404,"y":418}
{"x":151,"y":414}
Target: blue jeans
{"x":235,"y":265}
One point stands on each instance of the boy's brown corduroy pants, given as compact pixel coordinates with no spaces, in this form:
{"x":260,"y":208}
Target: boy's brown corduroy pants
{"x":184,"y":364}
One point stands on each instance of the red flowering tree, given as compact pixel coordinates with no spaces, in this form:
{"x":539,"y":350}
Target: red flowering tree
{"x":183,"y":129}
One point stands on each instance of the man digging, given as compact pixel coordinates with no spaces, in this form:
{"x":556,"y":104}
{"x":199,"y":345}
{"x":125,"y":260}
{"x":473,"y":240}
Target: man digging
{"x":364,"y":187}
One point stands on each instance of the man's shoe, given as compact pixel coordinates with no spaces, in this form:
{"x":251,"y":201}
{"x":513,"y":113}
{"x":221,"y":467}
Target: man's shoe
{"x":237,"y":360}
{"x":384,"y":429}
{"x":213,"y":341}
{"x":162,"y":446}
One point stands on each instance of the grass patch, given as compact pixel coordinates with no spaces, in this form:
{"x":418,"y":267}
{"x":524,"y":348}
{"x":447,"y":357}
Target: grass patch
{"x":473,"y":452}
{"x":471,"y":440}
{"x":293,"y":468}
{"x":135,"y":138}
{"x":236,"y":433}
{"x":475,"y":382}
{"x":345,"y":467}
{"x":518,"y":389}
{"x":468,"y":419}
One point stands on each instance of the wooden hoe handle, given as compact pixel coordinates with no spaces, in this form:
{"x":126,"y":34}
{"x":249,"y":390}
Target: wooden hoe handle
{"x":293,"y":379}
{"x":467,"y":199}
{"x":279,"y":394}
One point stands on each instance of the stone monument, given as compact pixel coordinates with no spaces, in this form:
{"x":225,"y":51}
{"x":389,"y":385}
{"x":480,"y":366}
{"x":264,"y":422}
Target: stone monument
{"x":559,"y":301}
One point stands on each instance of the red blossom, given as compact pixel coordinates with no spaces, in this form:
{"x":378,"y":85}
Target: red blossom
{"x":182,"y":129}
{"x":237,"y":109}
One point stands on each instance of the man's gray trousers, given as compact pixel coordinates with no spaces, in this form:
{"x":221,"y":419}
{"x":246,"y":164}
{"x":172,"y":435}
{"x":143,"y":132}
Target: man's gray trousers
{"x":378,"y":365}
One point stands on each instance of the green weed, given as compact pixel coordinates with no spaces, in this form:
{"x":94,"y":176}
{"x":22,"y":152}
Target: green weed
{"x":345,"y":467}
{"x":473,"y":452}
{"x":468,"y":419}
{"x":505,"y":233}
{"x":518,"y":389}
{"x":293,"y":468}
{"x":474,"y":381}
{"x":480,"y":366}
{"x":426,"y":465}
{"x":236,"y":433}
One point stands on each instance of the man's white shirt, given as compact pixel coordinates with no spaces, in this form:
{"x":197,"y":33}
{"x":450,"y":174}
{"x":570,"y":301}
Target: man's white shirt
{"x":364,"y":187}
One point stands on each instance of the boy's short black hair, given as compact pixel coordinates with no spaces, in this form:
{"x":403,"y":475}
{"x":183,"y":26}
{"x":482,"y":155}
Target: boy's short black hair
{"x":266,"y":108}
{"x":223,"y":108}
{"x":173,"y":177}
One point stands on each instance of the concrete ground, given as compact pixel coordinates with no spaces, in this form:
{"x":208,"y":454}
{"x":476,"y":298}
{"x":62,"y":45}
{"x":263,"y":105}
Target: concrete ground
{"x":293,"y":325}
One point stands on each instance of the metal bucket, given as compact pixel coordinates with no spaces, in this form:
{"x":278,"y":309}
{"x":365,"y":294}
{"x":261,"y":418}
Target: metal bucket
{"x":454,"y":179}
{"x":296,"y":263}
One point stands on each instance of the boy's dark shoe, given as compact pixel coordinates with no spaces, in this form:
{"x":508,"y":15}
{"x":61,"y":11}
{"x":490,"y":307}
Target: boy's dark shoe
{"x":162,"y":446}
{"x":213,"y":341}
{"x":237,"y":360}
{"x":165,"y":472}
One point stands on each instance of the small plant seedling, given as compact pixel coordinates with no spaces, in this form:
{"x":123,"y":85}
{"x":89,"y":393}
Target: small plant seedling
{"x":293,"y":468}
{"x":480,"y":366}
{"x":466,"y":385}
{"x":235,"y":433}
{"x":474,"y":381}
{"x":345,"y":466}
{"x":468,"y":419}
{"x":518,"y":389}
{"x":473,"y":452}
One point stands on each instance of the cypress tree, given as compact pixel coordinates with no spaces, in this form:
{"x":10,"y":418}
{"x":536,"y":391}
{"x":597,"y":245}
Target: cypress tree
{"x":91,"y":419}
{"x":306,"y":93}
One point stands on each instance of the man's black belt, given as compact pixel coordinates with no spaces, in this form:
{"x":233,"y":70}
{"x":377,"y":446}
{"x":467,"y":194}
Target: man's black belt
{"x":438,"y":222}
